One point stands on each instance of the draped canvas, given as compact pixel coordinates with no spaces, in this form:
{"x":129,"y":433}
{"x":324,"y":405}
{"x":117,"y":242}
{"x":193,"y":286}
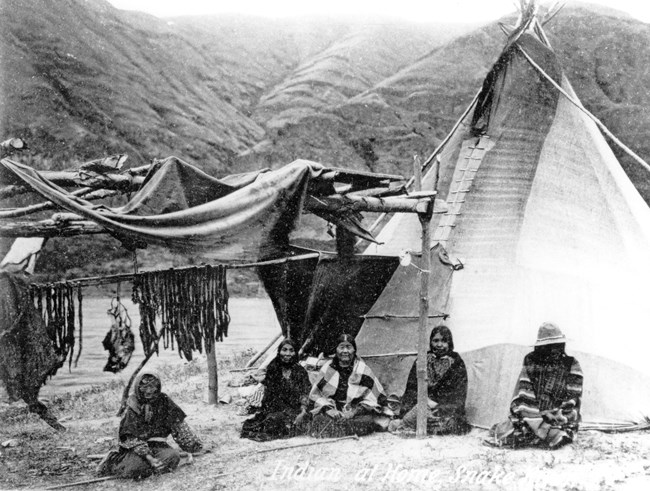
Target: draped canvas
{"x":318,"y":299}
{"x":244,"y":217}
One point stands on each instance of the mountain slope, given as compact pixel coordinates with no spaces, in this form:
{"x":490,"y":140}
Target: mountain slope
{"x":81,"y":80}
{"x":230,"y":93}
{"x":84,"y":79}
{"x":606,"y":57}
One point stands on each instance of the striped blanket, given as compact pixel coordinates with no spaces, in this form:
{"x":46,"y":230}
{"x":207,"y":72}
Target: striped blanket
{"x":541,"y":388}
{"x":363,"y":389}
{"x":545,"y":408}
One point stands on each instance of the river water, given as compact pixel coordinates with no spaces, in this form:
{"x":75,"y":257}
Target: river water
{"x":253,"y":324}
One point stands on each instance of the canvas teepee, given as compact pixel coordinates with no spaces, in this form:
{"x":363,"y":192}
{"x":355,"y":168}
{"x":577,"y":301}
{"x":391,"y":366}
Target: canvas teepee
{"x":549,"y":228}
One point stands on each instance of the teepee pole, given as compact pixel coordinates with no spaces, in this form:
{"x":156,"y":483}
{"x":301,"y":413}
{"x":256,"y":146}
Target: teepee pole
{"x":579,"y":105}
{"x":421,"y":367}
{"x":431,"y":157}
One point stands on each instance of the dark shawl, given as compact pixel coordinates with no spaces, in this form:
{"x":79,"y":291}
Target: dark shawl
{"x":163,"y":413}
{"x":449,"y":391}
{"x":282,"y":394}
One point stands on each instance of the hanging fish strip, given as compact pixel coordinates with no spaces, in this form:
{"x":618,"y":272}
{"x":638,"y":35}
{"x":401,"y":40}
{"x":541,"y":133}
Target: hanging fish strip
{"x":56,"y":304}
{"x":191,"y":305}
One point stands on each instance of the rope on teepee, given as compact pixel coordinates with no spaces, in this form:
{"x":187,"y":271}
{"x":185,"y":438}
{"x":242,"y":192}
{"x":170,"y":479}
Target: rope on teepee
{"x":577,"y":103}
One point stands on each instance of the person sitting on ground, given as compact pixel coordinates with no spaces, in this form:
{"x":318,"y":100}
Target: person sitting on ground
{"x":283,"y":412}
{"x":150,"y":417}
{"x":348,"y":398}
{"x":394,"y":403}
{"x":446,"y":389}
{"x":545,"y":409}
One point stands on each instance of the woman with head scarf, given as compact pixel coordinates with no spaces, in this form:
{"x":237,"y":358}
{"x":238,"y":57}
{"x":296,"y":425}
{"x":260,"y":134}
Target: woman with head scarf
{"x":283,"y":411}
{"x":150,"y":417}
{"x":348,"y":398}
{"x":545,"y":409}
{"x":446,"y":388}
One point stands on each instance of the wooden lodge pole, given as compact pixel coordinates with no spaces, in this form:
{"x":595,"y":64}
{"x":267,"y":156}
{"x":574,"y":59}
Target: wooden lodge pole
{"x":417,"y":173}
{"x":213,"y":376}
{"x":423,"y":396}
{"x":421,"y":367}
{"x":261,"y":353}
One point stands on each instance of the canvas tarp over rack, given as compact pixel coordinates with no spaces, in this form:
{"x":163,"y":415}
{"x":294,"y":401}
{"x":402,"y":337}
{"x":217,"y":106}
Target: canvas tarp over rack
{"x":245,"y":216}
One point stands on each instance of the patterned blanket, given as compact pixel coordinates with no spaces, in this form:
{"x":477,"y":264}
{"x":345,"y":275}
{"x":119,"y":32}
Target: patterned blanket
{"x":363,"y":388}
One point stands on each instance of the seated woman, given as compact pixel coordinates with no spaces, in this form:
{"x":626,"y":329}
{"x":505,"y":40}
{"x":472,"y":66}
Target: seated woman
{"x":446,"y":389}
{"x":348,"y":398}
{"x":545,"y":409}
{"x":283,"y":411}
{"x":150,"y":417}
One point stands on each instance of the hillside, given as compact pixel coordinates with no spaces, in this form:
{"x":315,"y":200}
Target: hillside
{"x":229,"y":93}
{"x":232,"y":93}
{"x":84,"y":79}
{"x":605,"y":56}
{"x":607,"y":59}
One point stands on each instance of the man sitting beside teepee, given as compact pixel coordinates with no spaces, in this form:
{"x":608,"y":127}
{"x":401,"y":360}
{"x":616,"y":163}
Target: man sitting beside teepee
{"x":545,"y":409}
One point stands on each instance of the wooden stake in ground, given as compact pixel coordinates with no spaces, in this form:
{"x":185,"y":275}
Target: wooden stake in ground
{"x":213,"y":376}
{"x":421,"y":368}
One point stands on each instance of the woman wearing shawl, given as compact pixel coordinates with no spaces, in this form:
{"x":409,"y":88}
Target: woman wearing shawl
{"x":446,"y":389}
{"x":348,"y":398}
{"x":286,"y":397}
{"x":150,"y":417}
{"x":545,"y":409}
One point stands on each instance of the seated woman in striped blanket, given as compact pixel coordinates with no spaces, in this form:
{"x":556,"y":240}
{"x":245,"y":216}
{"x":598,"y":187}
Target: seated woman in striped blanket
{"x":348,"y":398}
{"x":545,"y":410}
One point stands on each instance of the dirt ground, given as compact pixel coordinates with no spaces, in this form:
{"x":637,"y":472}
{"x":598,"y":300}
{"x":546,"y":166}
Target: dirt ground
{"x":33,"y":456}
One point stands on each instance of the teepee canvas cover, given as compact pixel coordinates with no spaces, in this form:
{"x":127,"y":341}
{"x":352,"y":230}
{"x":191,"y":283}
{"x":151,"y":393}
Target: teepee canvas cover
{"x":548,"y":227}
{"x":389,"y":333}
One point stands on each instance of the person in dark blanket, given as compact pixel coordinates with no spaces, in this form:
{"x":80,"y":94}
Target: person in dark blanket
{"x":446,"y":389}
{"x":283,"y":412}
{"x":150,"y":417}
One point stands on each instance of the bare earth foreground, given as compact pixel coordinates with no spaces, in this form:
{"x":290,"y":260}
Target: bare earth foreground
{"x":32,"y":456}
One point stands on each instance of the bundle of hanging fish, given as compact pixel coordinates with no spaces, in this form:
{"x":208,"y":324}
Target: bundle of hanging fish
{"x":191,"y":306}
{"x":56,"y":304}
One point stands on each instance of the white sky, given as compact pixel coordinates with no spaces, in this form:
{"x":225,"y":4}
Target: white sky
{"x":415,"y":10}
